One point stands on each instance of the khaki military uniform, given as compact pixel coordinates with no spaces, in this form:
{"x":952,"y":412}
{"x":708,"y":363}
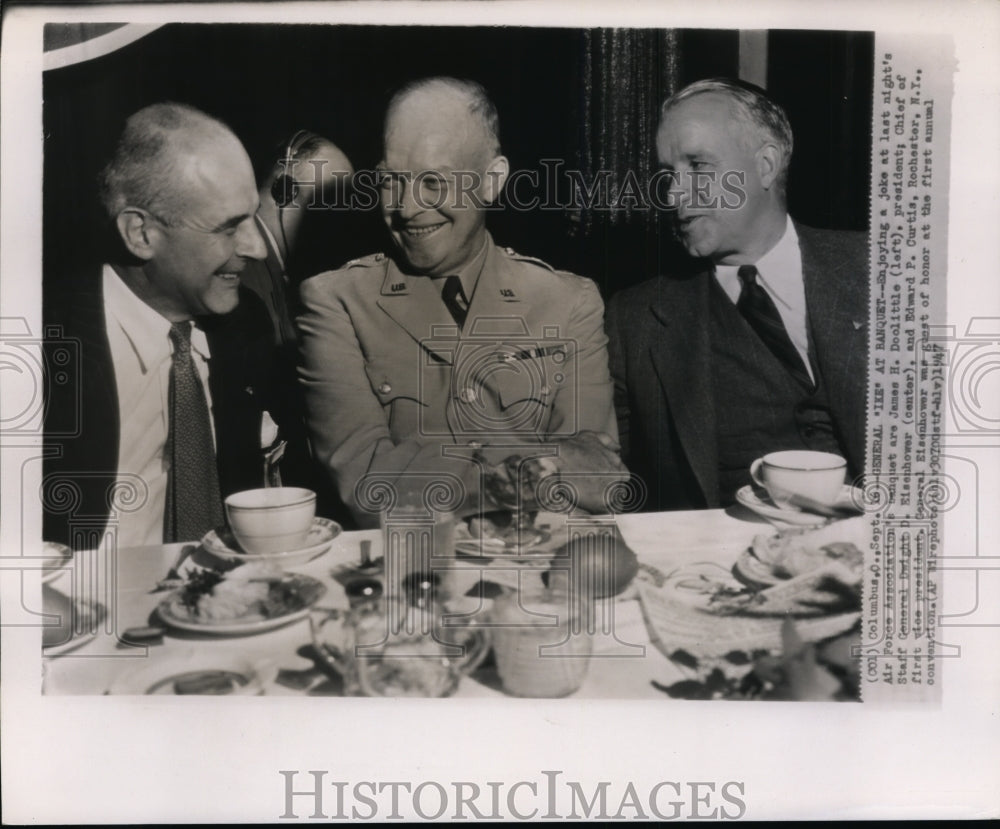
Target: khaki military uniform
{"x":394,"y":388}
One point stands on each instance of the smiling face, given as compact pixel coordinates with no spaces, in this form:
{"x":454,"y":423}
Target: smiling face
{"x":196,"y":259}
{"x":729,"y":208}
{"x":436,"y":181}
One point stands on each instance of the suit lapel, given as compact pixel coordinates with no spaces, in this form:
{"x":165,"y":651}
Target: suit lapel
{"x":837,"y":303}
{"x":414,"y":304}
{"x":681,"y":355}
{"x":497,"y":306}
{"x":837,"y":315}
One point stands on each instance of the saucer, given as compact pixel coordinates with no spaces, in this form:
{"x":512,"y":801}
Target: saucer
{"x":221,"y":544}
{"x":766,"y":508}
{"x":532,"y":546}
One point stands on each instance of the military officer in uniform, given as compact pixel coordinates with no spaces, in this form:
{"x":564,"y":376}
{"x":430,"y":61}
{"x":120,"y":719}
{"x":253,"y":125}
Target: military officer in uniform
{"x":452,"y":354}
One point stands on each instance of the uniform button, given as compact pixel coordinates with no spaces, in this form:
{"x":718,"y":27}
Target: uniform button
{"x":467,"y":395}
{"x":475,"y":444}
{"x":385,"y":388}
{"x":545,"y":390}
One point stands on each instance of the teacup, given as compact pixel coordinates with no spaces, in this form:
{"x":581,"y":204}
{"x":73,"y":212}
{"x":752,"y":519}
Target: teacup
{"x":271,"y":520}
{"x":818,"y":476}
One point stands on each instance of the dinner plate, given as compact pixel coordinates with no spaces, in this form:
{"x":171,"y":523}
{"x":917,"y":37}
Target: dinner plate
{"x":172,"y":611}
{"x":192,"y":672}
{"x":849,"y":497}
{"x":57,"y":557}
{"x":680,"y":616}
{"x":531,"y":546}
{"x":221,"y":543}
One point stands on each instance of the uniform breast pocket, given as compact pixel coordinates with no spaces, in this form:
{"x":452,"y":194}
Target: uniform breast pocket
{"x":524,"y":393}
{"x":400,"y":394}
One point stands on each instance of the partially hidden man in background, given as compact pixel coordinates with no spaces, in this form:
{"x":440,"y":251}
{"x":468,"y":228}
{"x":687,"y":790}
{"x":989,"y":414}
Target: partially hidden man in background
{"x":308,"y":176}
{"x":175,"y":364}
{"x":304,"y":177}
{"x":452,"y":346}
{"x":762,"y":344}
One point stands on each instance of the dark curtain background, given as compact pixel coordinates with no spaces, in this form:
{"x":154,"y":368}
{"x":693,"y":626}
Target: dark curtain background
{"x":586,"y":97}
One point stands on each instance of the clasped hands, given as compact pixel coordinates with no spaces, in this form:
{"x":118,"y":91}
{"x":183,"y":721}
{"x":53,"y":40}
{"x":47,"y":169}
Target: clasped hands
{"x":584,"y":468}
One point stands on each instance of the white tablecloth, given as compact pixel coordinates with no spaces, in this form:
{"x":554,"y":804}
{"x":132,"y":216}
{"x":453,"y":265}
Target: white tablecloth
{"x":625,"y":664}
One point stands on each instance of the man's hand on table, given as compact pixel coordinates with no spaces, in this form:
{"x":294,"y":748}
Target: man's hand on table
{"x":587,"y":463}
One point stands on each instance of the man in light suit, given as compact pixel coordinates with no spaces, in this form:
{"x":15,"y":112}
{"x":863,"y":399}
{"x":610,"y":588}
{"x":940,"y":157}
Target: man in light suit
{"x":710,"y":371}
{"x":164,"y":325}
{"x":437,"y":362}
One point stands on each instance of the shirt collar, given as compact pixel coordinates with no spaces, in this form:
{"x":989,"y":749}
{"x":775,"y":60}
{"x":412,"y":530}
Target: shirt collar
{"x":469,"y":274}
{"x":146,"y":329}
{"x":780,"y":269}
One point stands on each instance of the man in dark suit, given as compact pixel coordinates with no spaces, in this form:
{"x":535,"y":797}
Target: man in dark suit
{"x":165,"y":416}
{"x":761,"y":344}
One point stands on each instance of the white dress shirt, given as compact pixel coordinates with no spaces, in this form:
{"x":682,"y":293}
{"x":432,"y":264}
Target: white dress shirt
{"x":779,"y":271}
{"x":141,"y":353}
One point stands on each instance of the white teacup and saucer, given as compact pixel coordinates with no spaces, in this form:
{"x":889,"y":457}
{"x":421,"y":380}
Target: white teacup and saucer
{"x":802,"y":487}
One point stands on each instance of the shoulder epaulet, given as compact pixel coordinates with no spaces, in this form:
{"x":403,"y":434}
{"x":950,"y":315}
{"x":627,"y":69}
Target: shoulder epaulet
{"x":520,"y":257}
{"x":365,"y":261}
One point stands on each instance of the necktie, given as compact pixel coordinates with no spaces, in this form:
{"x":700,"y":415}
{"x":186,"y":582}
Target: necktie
{"x":455,"y":300}
{"x":759,"y":310}
{"x":193,"y":505}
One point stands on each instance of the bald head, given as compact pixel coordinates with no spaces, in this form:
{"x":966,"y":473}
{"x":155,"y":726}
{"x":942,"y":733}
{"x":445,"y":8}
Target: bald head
{"x":451,"y":104}
{"x":165,"y":149}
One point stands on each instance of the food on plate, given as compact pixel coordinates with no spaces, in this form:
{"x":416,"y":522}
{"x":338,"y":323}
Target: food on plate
{"x":600,"y":563}
{"x":795,"y":552}
{"x":215,"y":682}
{"x":248,"y":593}
{"x":500,"y":526}
{"x":800,"y":571}
{"x":796,"y":559}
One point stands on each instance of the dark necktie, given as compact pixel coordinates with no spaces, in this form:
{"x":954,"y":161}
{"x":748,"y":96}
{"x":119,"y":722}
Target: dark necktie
{"x":455,"y":300}
{"x":193,"y":505}
{"x":759,"y":310}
